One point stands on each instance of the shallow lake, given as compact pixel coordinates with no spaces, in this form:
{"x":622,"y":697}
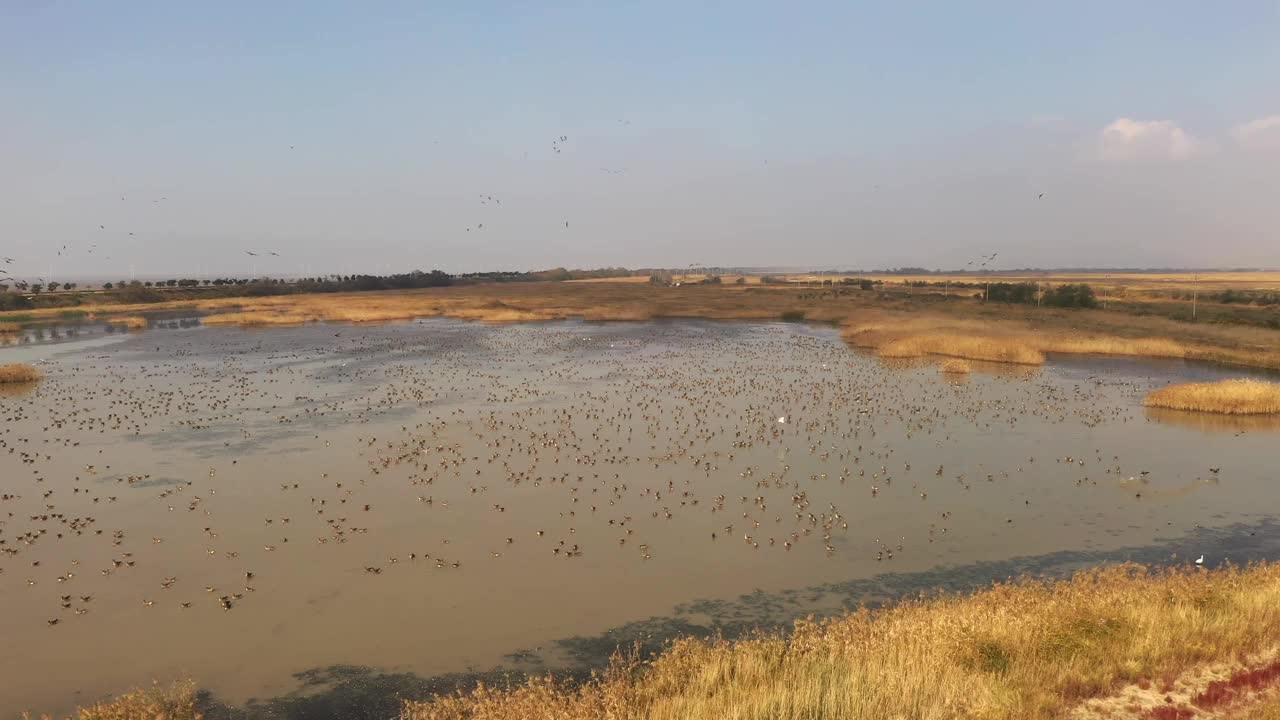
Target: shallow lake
{"x":333,"y":513}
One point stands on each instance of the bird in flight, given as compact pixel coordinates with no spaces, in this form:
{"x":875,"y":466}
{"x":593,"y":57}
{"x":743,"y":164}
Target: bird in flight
{"x":276,"y":254}
{"x":246,"y":252}
{"x":1041,"y":196}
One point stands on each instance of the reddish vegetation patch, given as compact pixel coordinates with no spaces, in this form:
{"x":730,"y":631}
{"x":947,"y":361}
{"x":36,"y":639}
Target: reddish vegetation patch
{"x":1221,"y":692}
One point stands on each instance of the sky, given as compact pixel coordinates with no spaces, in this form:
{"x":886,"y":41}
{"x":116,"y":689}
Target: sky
{"x":169,"y":138}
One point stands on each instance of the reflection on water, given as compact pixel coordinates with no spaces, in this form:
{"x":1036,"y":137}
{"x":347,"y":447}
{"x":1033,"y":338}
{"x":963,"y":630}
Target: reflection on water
{"x":64,"y":332}
{"x":1214,"y":422}
{"x":433,"y":499}
{"x":11,"y":390}
{"x":1004,"y":370}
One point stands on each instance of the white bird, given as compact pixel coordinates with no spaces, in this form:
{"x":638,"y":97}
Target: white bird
{"x":1200,"y":560}
{"x":782,"y":419}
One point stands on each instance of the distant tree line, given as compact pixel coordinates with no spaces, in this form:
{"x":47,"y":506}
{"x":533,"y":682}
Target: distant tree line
{"x":552,"y":275}
{"x":149,"y":291}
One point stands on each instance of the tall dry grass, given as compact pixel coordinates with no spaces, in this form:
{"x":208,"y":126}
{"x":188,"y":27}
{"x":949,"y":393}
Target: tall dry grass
{"x":1231,"y":397}
{"x":993,"y":341}
{"x":989,"y":348}
{"x":955,"y":366}
{"x":10,"y":327}
{"x":19,"y":373}
{"x":1016,"y":651}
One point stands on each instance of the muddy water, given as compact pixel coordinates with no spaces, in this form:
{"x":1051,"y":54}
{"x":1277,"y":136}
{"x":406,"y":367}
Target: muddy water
{"x":437,"y":497}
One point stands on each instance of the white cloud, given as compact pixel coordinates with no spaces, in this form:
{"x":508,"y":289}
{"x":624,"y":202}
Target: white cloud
{"x":1260,"y":134}
{"x":1127,"y":139}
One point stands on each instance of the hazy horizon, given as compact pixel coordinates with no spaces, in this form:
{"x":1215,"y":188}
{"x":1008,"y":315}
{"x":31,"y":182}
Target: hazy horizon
{"x":159,"y":140}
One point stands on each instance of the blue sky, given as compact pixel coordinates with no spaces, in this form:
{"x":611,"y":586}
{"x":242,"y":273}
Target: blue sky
{"x":361,"y":137}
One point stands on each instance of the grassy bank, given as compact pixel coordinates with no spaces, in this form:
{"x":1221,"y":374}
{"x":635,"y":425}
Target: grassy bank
{"x":1119,"y":642}
{"x":1232,"y":397}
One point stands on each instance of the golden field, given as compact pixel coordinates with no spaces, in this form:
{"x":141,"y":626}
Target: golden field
{"x":1232,"y":397}
{"x":1119,"y":642}
{"x":18,"y":373}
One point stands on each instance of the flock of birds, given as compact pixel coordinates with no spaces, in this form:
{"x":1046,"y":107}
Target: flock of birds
{"x":27,"y":278}
{"x":446,"y":448}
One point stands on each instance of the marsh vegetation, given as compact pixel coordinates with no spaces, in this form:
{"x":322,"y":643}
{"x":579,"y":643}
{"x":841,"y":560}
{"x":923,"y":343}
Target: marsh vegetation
{"x":1232,"y":397}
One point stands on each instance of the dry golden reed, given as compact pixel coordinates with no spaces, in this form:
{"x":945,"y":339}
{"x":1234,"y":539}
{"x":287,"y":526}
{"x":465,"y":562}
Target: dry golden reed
{"x":19,"y":373}
{"x":1232,"y":397}
{"x":10,"y":327}
{"x":994,"y":341}
{"x":955,"y":366}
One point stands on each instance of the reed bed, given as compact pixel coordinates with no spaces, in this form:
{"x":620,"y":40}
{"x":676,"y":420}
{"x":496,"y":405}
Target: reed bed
{"x":1231,"y":397}
{"x":19,"y":373}
{"x":10,"y":327}
{"x":976,"y":339}
{"x":955,"y":366}
{"x":989,"y":348}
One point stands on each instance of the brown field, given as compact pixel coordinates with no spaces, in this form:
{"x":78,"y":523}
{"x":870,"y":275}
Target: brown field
{"x":1118,"y":642}
{"x":895,"y":324}
{"x":1232,"y":397}
{"x":17,"y":373}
